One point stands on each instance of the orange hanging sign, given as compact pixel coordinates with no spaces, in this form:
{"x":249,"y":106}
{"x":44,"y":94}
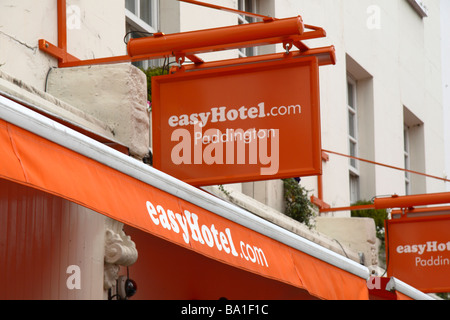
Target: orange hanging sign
{"x":418,"y":251}
{"x":235,"y":124}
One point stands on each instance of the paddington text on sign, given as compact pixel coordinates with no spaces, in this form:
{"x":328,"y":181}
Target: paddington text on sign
{"x":430,"y":246}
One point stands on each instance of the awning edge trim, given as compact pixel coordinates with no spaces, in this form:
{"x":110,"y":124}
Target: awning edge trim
{"x":29,"y":120}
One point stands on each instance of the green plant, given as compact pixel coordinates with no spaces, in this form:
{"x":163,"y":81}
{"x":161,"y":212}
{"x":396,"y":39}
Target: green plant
{"x":222,"y":188}
{"x":444,"y":295}
{"x":151,"y":72}
{"x":298,"y":205}
{"x":379,"y":216}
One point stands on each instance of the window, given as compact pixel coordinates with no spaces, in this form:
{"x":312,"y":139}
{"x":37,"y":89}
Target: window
{"x":406,"y":153}
{"x":247,"y":6}
{"x":142,"y":15}
{"x":353,"y":139}
{"x":141,"y":21}
{"x":361,"y":130}
{"x":354,"y":188}
{"x":413,"y":152}
{"x":352,"y":124}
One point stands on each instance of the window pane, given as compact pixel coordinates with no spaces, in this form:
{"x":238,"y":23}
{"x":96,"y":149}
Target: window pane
{"x":351,"y":125}
{"x":246,"y":5}
{"x":145,"y":11}
{"x":406,"y":158}
{"x":407,"y":168}
{"x":353,"y":154}
{"x":249,"y":6}
{"x":354,"y":188}
{"x":406,"y":140}
{"x":351,"y":95}
{"x":130,"y":5}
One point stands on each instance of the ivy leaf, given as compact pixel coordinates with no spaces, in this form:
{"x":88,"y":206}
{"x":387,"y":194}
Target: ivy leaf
{"x":298,"y":206}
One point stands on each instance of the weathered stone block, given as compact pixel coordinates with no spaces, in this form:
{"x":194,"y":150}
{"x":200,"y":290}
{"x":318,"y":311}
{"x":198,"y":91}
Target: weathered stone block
{"x":359,"y":234}
{"x":116,"y":94}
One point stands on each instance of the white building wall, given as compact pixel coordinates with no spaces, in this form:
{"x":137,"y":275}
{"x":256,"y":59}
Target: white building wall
{"x":95,"y":29}
{"x":445,"y":37}
{"x":394,"y":55}
{"x":99,"y":31}
{"x":23,"y":23}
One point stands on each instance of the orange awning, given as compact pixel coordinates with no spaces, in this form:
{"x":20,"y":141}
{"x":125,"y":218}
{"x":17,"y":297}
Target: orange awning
{"x":42,"y":154}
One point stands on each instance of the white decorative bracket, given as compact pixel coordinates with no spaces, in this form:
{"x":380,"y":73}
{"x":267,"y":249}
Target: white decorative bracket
{"x":119,"y":251}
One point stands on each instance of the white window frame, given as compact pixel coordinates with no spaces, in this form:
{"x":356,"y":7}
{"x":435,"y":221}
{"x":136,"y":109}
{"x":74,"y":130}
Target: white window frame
{"x":407,"y":159}
{"x":352,"y":111}
{"x":242,"y":5}
{"x":134,"y":20}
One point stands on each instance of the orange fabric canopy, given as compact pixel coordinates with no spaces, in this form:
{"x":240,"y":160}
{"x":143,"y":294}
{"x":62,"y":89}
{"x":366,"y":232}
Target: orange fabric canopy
{"x":34,"y":161}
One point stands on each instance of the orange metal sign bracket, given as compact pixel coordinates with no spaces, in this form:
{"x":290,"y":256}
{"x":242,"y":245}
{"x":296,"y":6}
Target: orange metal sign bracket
{"x":413,"y":212}
{"x":270,"y":31}
{"x":394,"y":201}
{"x":316,"y":33}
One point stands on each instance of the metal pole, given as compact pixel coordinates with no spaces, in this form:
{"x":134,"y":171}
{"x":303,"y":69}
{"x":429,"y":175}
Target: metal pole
{"x":217,"y":38}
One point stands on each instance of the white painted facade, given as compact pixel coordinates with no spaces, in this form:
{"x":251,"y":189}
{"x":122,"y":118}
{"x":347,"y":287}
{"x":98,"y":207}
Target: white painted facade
{"x":445,"y":37}
{"x":94,"y":30}
{"x":385,"y":49}
{"x":391,"y":54}
{"x":393,"y":57}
